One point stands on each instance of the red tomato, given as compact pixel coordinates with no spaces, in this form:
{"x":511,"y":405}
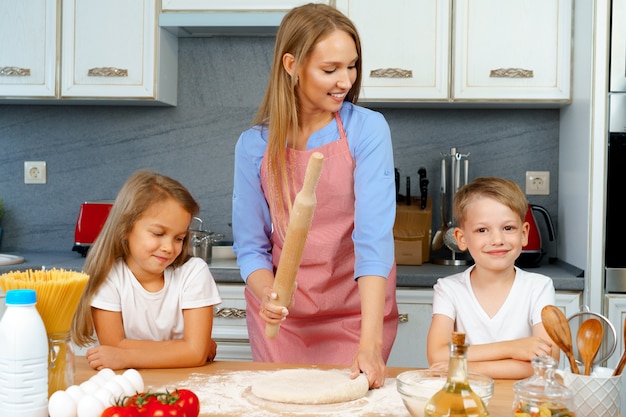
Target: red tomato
{"x":188,"y":401}
{"x":119,"y":411}
{"x":141,"y":402}
{"x":158,"y":409}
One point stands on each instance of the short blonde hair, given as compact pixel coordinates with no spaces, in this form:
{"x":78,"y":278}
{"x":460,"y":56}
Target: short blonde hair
{"x":502,"y":190}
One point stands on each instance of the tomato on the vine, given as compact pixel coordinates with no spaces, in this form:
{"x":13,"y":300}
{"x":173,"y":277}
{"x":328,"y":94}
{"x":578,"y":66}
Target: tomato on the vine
{"x":119,"y":411}
{"x":158,"y":409}
{"x":188,"y":401}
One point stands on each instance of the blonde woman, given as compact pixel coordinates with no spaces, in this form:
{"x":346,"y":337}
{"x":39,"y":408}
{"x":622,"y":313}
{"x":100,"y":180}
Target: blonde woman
{"x":344,"y":310}
{"x":148,"y":302}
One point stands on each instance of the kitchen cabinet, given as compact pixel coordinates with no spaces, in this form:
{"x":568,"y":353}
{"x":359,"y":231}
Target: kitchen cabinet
{"x":110,"y":53}
{"x":462,"y":51}
{"x":615,"y":311}
{"x":239,"y":5}
{"x":229,"y":324}
{"x":28,"y":32}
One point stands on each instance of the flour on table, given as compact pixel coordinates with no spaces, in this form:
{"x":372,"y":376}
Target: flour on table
{"x":230,"y":393}
{"x":310,"y":386}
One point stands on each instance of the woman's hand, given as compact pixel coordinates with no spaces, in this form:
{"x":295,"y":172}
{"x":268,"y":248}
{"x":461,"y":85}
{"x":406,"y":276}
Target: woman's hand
{"x":271,"y":312}
{"x":372,"y":365}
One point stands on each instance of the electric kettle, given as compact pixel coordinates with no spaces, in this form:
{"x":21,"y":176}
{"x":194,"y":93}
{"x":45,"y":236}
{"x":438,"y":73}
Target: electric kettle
{"x":533,"y":252}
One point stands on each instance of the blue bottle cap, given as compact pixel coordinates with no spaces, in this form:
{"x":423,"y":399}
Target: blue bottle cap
{"x":21,"y":297}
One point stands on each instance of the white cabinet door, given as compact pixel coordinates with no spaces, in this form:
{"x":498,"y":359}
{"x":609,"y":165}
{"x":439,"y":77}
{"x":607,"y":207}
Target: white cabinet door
{"x":512,"y":50}
{"x":28,"y":45}
{"x":232,"y":5}
{"x":616,"y":313}
{"x":405,"y":47}
{"x":415,"y":307}
{"x":230,"y":331}
{"x":114,"y":49}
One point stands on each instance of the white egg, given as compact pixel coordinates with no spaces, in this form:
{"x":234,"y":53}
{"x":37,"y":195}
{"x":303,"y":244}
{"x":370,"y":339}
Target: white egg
{"x":98,"y":379}
{"x":106,"y":396}
{"x":75,"y":392}
{"x":89,"y":406}
{"x":61,"y":404}
{"x":115,"y":388}
{"x":125,"y":383}
{"x":135,"y":378}
{"x":89,"y":386}
{"x":107,"y":373}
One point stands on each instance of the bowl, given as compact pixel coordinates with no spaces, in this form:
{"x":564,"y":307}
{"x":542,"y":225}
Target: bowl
{"x":417,"y":387}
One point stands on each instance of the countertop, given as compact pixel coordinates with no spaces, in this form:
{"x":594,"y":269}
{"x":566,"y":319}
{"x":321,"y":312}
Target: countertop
{"x":564,"y":276}
{"x":192,"y":378}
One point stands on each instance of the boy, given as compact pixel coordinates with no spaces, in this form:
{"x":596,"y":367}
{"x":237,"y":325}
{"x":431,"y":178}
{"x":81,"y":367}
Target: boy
{"x":495,"y":303}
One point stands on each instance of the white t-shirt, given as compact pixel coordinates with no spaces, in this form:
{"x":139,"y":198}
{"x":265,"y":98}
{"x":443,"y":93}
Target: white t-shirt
{"x":157,"y":315}
{"x":521,"y":310}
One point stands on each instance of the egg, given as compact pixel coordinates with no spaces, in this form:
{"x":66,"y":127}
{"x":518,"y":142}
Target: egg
{"x":75,"y":392}
{"x":61,"y":404}
{"x":89,"y":386}
{"x":107,"y":398}
{"x":89,"y":406}
{"x":135,"y":378}
{"x":107,"y":373}
{"x":125,"y":383}
{"x":115,"y":388}
{"x":98,"y":380}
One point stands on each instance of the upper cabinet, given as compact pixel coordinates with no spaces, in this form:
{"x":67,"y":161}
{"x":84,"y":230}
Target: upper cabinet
{"x":240,"y":5}
{"x":28,"y":33}
{"x":464,"y":51}
{"x":110,"y":52}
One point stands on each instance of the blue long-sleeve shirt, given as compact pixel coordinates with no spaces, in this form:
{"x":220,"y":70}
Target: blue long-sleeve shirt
{"x":369,"y":141}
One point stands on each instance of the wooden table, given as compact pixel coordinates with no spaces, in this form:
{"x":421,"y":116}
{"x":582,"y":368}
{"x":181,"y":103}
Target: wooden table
{"x":499,"y":405}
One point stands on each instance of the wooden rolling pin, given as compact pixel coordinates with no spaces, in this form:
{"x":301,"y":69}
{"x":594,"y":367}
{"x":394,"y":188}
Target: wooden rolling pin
{"x":297,"y":230}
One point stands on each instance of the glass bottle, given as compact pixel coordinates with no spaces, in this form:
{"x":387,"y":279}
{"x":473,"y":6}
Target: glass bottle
{"x":456,"y":398}
{"x":60,"y":362}
{"x":542,"y":394}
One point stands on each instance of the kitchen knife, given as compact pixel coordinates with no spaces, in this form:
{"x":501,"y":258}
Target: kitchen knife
{"x":295,"y":238}
{"x":408,"y":191}
{"x":423,"y":187}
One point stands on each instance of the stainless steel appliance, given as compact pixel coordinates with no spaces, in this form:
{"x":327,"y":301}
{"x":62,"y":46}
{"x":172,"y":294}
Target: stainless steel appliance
{"x":615,"y":228}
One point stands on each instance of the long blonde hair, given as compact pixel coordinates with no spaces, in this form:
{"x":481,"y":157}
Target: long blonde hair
{"x":300,"y":30}
{"x":142,"y":190}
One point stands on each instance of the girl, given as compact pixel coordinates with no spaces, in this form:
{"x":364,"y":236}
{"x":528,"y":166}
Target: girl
{"x":149,"y":302}
{"x":344,"y":309}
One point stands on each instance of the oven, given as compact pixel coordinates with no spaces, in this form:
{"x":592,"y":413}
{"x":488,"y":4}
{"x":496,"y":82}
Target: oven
{"x":615,"y":227}
{"x":615,"y":231}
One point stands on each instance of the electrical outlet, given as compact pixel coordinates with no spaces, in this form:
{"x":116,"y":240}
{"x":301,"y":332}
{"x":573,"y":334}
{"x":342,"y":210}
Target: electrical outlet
{"x":537,"y":182}
{"x":35,"y":172}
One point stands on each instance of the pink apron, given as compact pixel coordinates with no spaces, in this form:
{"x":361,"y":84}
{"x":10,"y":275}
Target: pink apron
{"x":324,"y":325}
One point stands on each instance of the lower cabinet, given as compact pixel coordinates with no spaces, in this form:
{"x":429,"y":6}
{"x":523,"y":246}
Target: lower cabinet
{"x":409,"y":350}
{"x":229,"y":325}
{"x":615,"y":305}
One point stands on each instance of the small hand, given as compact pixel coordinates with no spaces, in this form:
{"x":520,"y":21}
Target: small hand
{"x":530,"y":347}
{"x":100,"y":357}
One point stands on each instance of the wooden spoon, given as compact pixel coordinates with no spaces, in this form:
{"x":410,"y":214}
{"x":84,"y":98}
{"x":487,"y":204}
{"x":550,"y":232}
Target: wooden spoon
{"x":622,"y":361}
{"x":557,"y":327}
{"x":588,"y":340}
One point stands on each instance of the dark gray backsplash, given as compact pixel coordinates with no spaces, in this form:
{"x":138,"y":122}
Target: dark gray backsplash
{"x":91,"y":150}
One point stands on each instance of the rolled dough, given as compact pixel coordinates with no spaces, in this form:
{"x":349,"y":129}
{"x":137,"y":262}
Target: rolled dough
{"x":310,"y":386}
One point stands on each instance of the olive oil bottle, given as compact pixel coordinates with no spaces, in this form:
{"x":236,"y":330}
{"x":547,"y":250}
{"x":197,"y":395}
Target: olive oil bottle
{"x":456,"y":398}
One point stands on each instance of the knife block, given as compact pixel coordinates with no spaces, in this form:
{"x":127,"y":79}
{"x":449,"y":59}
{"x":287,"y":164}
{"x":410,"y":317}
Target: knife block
{"x":412,"y":232}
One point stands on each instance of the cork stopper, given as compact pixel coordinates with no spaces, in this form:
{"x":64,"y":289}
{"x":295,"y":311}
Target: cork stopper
{"x":458,"y":338}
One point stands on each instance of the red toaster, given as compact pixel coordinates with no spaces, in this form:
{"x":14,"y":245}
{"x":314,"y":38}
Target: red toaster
{"x":91,"y":218}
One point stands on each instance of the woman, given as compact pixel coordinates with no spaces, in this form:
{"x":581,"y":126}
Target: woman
{"x":307,"y":107}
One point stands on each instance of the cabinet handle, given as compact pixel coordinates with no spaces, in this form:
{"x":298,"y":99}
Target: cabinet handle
{"x":511,"y":73}
{"x":230,"y":313}
{"x":391,"y":73}
{"x":107,"y":72}
{"x":403,"y":317}
{"x":15,"y":71}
